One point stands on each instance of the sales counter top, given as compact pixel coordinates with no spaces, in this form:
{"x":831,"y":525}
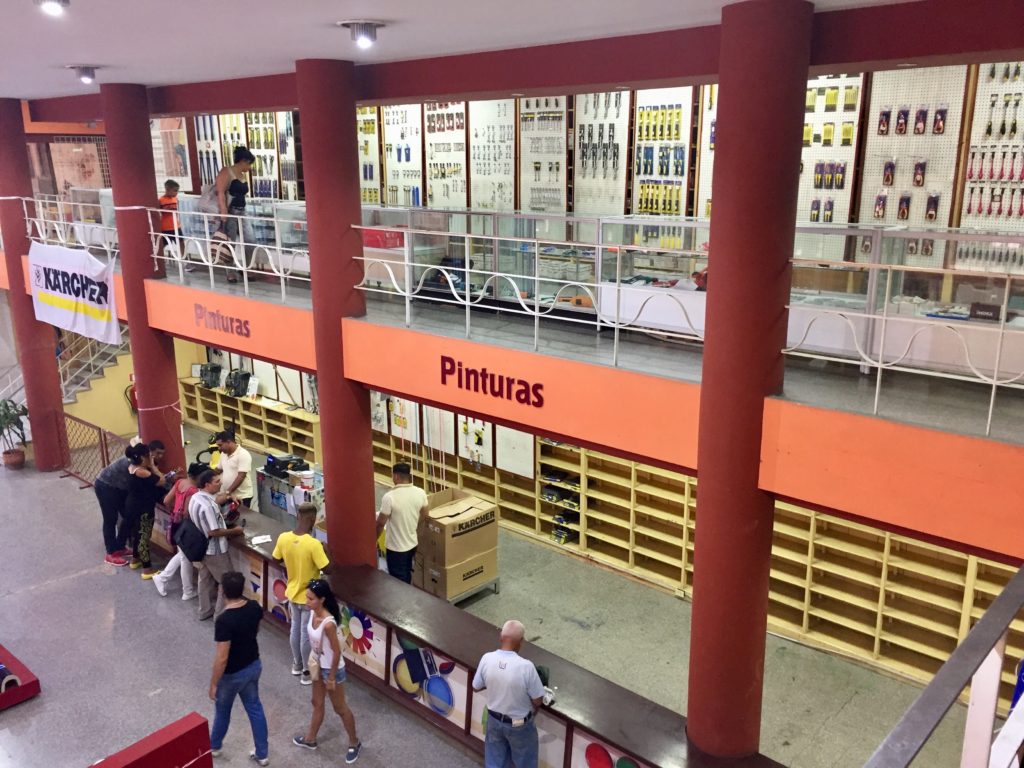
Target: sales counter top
{"x":642,"y":729}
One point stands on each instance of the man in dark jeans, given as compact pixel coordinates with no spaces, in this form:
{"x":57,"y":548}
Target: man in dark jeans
{"x":237,"y":667}
{"x":402,"y":511}
{"x":111,"y":488}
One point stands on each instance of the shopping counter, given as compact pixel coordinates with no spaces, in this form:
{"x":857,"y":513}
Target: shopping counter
{"x":422,"y":652}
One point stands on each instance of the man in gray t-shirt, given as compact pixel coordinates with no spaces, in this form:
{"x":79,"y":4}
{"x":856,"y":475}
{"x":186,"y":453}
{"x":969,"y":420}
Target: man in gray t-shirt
{"x":514,"y":693}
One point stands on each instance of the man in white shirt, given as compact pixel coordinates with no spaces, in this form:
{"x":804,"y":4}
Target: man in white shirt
{"x":402,"y":510}
{"x":205,"y":513}
{"x":236,"y":465}
{"x":514,"y":693}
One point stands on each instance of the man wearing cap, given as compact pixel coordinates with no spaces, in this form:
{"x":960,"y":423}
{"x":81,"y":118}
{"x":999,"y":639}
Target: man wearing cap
{"x":514,"y":693}
{"x":402,"y":510}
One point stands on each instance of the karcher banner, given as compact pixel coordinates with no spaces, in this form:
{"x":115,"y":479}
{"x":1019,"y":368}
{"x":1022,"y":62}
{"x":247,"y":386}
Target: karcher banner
{"x":74,"y":290}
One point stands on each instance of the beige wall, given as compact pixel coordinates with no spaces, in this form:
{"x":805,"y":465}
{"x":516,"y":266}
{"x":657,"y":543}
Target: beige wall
{"x":104,"y":403}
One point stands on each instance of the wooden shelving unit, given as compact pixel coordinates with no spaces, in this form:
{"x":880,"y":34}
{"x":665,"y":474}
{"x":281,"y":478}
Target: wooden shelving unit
{"x":894,"y":602}
{"x":264,"y":424}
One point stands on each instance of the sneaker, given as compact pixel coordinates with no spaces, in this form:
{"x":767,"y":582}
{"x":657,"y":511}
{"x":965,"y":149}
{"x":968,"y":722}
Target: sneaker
{"x":161,"y":588}
{"x":126,"y":553}
{"x":216,"y":753}
{"x":147,"y":575}
{"x":306,"y":679}
{"x":259,"y":760}
{"x":300,"y":741}
{"x":189,"y":595}
{"x":296,"y":669}
{"x":353,"y":753}
{"x":115,"y":560}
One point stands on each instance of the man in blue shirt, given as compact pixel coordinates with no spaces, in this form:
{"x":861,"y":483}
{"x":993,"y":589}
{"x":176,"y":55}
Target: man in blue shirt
{"x":514,"y":693}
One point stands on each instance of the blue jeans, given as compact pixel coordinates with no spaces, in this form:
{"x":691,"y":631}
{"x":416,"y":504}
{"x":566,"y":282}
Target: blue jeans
{"x":506,"y":746}
{"x":297,"y":636}
{"x":245,"y":683}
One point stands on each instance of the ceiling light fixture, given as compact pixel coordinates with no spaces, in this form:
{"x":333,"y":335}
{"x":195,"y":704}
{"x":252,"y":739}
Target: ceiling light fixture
{"x":364,"y":33}
{"x":53,"y":7}
{"x":84,"y":72}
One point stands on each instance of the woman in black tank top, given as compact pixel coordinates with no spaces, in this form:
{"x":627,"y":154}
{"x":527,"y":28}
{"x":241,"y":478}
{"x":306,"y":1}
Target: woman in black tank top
{"x":231,"y":192}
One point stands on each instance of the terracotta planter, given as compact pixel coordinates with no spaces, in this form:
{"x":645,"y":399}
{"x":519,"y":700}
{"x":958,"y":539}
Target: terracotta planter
{"x":14,"y":459}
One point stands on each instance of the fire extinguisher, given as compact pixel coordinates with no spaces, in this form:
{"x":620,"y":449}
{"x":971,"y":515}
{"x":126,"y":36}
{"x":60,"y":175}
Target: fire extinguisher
{"x":132,"y":398}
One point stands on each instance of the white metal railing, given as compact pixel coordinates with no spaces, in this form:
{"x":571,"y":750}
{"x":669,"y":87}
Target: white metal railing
{"x":52,"y":220}
{"x":84,"y":359}
{"x":12,"y":383}
{"x":241,"y":249}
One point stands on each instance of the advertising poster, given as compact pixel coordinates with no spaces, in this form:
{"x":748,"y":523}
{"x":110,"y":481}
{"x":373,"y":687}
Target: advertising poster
{"x":76,"y":165}
{"x":170,"y":152}
{"x":365,"y":640}
{"x":432,"y":680}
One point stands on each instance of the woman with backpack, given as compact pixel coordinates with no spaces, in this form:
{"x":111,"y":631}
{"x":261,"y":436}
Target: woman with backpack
{"x":327,"y":667}
{"x":176,"y":500}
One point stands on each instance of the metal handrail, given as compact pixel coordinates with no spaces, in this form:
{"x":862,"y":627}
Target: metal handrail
{"x":918,"y":723}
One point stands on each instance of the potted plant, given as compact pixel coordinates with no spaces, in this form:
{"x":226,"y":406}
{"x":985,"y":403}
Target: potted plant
{"x":12,"y":433}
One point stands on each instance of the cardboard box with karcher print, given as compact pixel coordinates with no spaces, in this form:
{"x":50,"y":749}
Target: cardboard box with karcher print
{"x":458,"y":551}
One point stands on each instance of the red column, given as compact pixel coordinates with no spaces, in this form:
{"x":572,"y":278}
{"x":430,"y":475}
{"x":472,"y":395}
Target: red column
{"x":130,"y":150}
{"x":36,"y":341}
{"x":327,"y":108}
{"x":765,"y":50}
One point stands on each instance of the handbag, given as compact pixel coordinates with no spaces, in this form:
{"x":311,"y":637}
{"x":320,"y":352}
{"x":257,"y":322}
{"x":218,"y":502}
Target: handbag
{"x":313,"y":662}
{"x":191,"y":540}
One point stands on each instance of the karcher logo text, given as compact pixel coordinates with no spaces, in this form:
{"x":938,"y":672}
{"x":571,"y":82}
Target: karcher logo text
{"x":475,"y":572}
{"x":74,"y":284}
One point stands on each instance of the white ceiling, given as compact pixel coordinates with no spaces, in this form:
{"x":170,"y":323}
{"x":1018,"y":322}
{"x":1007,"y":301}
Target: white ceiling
{"x":157,"y":42}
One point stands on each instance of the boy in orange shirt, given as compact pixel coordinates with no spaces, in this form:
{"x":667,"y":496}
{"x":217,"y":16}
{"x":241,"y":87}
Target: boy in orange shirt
{"x":169,"y":228}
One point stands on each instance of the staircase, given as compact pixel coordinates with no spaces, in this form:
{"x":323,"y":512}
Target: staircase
{"x":81,"y":361}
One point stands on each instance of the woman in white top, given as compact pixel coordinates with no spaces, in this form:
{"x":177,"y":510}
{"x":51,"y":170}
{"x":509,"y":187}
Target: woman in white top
{"x":324,"y":618}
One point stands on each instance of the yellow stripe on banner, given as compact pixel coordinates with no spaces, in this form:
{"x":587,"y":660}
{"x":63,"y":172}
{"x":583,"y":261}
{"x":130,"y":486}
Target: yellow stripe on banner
{"x":73,"y":305}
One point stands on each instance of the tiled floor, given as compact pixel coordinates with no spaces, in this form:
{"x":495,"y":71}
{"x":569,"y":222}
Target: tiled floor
{"x":116,"y":661}
{"x":954,"y":406}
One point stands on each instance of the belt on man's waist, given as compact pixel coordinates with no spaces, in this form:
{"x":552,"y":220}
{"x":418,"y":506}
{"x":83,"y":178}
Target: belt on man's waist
{"x":508,"y":719}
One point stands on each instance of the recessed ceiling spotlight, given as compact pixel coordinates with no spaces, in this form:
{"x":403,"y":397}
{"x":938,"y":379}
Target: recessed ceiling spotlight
{"x":53,"y":7}
{"x":84,"y":72}
{"x":517,"y":95}
{"x":905,"y":65}
{"x":364,"y":32}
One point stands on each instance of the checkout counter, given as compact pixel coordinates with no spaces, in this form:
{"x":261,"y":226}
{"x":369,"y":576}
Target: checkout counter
{"x":421,"y":652}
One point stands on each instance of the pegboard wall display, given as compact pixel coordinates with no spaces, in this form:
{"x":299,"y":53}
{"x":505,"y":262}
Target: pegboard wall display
{"x":910,"y":155}
{"x":261,"y":128}
{"x":831,"y":116}
{"x":601,"y":163}
{"x":287,"y":159}
{"x":543,"y":163}
{"x":446,"y":154}
{"x":403,"y":154}
{"x":993,"y":195}
{"x":661,"y":155}
{"x":492,"y":154}
{"x":832,"y":111}
{"x":208,"y":147}
{"x":369,"y":155}
{"x":708,"y":129}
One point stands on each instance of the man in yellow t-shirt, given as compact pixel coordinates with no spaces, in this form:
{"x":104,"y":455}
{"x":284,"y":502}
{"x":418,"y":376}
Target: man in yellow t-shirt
{"x":304,"y":558}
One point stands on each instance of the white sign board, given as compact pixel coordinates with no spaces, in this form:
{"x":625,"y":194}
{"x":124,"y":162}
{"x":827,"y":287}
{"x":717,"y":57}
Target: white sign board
{"x":73,"y":290}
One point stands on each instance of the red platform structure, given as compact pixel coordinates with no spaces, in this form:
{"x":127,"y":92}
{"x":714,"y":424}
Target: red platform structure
{"x":28,"y":687}
{"x":185,"y":742}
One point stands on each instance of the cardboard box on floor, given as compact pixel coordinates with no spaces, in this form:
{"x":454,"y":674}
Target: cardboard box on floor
{"x":454,"y":580}
{"x":460,"y":526}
